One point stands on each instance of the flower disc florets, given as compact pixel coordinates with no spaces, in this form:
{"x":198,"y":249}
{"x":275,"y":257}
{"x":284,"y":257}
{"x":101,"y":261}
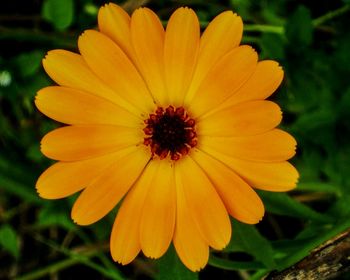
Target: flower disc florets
{"x":170,"y":132}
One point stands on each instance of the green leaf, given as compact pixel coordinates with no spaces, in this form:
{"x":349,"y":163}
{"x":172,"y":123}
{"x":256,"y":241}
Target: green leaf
{"x":29,"y":63}
{"x":258,"y":275}
{"x":242,"y":7}
{"x":272,"y":46}
{"x":9,"y":240}
{"x":50,"y":215}
{"x":344,"y":104}
{"x":282,"y":204}
{"x":310,"y":244}
{"x":246,"y":238}
{"x":234,"y":265}
{"x":319,"y":187}
{"x":26,"y":192}
{"x":59,"y":13}
{"x":299,"y":27}
{"x":171,"y":268}
{"x":340,"y":209}
{"x":5,"y":78}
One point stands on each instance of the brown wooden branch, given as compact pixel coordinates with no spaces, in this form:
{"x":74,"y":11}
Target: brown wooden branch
{"x":328,"y":261}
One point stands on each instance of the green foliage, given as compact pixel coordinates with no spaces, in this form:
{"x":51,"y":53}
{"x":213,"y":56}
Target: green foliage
{"x":282,"y":204}
{"x":272,"y":46}
{"x":315,"y":234}
{"x":54,"y":215}
{"x":29,"y":63}
{"x":246,"y":238}
{"x":242,"y":7}
{"x":9,"y":240}
{"x":299,"y":27}
{"x":310,"y":42}
{"x":171,"y":268}
{"x":59,"y":13}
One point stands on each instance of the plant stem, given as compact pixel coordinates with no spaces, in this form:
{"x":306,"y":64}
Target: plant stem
{"x":81,"y":256}
{"x":49,"y":269}
{"x":69,"y":40}
{"x":233,"y":265}
{"x":63,"y":40}
{"x":264,"y":28}
{"x":330,"y":15}
{"x":280,"y":29}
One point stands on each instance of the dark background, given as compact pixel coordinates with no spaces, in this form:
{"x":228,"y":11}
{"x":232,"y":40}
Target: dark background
{"x":37,"y":238}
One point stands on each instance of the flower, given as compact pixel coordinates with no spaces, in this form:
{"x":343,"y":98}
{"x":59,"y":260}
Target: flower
{"x":172,"y":125}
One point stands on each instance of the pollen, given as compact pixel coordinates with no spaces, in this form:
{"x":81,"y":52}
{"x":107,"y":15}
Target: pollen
{"x":170,"y":132}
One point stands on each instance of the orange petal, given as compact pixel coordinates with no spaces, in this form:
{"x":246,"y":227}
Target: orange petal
{"x":180,"y":53}
{"x":72,"y":106}
{"x":224,"y":79}
{"x":274,"y":145}
{"x":271,"y":176}
{"x":222,"y":34}
{"x":249,"y":118}
{"x":158,"y":219}
{"x":265,"y":80}
{"x":111,"y":65}
{"x":65,"y":178}
{"x":114,"y":22}
{"x":60,"y":64}
{"x":206,"y":207}
{"x":189,"y":244}
{"x":147,"y":34}
{"x":73,"y":143}
{"x":240,"y":200}
{"x":104,"y":193}
{"x":125,"y":237}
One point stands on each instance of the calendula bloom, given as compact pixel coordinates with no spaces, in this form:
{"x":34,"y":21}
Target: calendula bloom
{"x":171,"y":124}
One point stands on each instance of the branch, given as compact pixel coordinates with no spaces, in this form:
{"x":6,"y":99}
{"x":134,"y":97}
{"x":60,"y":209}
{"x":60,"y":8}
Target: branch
{"x":328,"y":261}
{"x":330,"y":15}
{"x":63,"y":40}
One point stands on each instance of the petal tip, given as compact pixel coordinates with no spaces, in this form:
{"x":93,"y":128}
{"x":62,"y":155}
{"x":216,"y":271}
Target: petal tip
{"x":151,"y":255}
{"x":78,"y":219}
{"x":47,"y":58}
{"x":39,"y":190}
{"x":122,"y":260}
{"x":184,"y":10}
{"x":196,"y":269}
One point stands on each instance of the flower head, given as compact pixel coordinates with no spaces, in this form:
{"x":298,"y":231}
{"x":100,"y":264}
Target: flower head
{"x":171,"y":124}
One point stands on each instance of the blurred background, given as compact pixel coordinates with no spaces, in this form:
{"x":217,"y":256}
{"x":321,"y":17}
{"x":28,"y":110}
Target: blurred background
{"x":310,"y":39}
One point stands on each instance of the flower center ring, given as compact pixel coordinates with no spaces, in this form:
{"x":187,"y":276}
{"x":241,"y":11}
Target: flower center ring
{"x":170,"y":132}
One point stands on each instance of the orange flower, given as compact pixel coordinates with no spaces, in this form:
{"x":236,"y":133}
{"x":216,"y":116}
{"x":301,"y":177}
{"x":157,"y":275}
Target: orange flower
{"x":175,"y":123}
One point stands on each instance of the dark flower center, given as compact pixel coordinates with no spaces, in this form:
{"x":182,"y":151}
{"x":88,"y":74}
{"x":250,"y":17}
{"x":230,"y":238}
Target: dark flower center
{"x":170,"y":132}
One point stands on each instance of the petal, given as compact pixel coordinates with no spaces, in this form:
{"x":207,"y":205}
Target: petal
{"x":114,"y":22}
{"x":70,"y":70}
{"x":112,"y":66}
{"x":206,"y":207}
{"x":125,"y":237}
{"x":265,"y":80}
{"x":240,"y":199}
{"x":158,"y":219}
{"x":73,"y":143}
{"x":180,"y":53}
{"x":224,"y":79}
{"x":189,"y":244}
{"x":244,"y":119}
{"x":222,"y":34}
{"x":66,"y":178}
{"x":274,"y":145}
{"x":272,"y":176}
{"x":72,"y":106}
{"x":147,"y":34}
{"x":104,"y":193}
